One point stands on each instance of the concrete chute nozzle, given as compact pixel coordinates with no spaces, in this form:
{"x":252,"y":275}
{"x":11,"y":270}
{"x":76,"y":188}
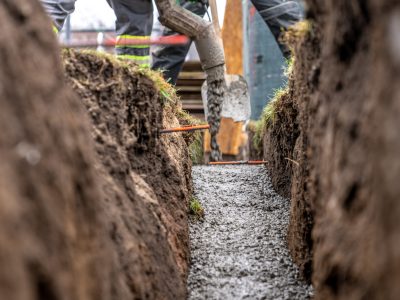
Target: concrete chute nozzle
{"x":211,"y":55}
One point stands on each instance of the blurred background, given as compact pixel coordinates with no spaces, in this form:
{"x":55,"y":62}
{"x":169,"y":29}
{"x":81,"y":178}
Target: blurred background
{"x":258,"y":58}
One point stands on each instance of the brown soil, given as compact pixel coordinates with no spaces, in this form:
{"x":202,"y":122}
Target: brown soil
{"x":278,"y":144}
{"x":127,"y":113}
{"x":356,"y":149}
{"x":84,"y":220}
{"x":304,"y":81}
{"x":49,"y":249}
{"x":347,"y":79}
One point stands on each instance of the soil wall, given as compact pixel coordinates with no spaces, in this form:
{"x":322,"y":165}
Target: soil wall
{"x":127,"y":113}
{"x":49,"y":249}
{"x":305,"y":43}
{"x":90,"y":208}
{"x":344,"y":196}
{"x":279,"y":141}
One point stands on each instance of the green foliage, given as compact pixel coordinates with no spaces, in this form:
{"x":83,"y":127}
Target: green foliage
{"x":258,"y":136}
{"x":268,"y":117}
{"x":196,"y":150}
{"x":167,"y":93}
{"x":289,"y":67}
{"x":186,"y":119}
{"x":194,"y":139}
{"x":195,"y":208}
{"x":303,"y":28}
{"x":297,"y":33}
{"x":166,"y":90}
{"x":269,"y":112}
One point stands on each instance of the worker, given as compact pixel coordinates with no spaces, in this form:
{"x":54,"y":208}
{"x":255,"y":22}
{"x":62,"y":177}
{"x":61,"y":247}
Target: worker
{"x":133,"y":21}
{"x":170,"y":58}
{"x":279,"y":15}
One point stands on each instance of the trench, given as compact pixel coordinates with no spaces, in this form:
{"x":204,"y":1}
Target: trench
{"x":239,"y":249}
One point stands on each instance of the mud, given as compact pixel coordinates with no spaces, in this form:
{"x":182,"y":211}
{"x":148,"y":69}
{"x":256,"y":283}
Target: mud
{"x":239,"y":250}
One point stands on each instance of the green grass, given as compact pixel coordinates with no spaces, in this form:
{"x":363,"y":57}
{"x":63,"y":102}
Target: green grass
{"x":104,"y":55}
{"x":288,"y":69}
{"x":302,"y":28}
{"x":166,"y":90}
{"x":195,"y":139}
{"x":195,"y":208}
{"x":167,"y":93}
{"x":296,"y":33}
{"x":258,"y":136}
{"x":269,"y":112}
{"x":186,"y":119}
{"x":268,"y":117}
{"x":196,"y":150}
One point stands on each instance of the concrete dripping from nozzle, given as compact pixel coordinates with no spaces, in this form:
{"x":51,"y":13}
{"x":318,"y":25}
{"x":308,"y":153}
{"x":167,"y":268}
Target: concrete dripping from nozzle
{"x":211,"y":55}
{"x":215,"y":94}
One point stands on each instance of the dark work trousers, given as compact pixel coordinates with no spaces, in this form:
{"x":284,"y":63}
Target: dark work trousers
{"x":134,"y":21}
{"x":279,"y":15}
{"x":170,"y":58}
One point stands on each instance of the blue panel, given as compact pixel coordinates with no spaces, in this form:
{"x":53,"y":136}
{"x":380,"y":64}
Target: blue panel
{"x":264,"y":62}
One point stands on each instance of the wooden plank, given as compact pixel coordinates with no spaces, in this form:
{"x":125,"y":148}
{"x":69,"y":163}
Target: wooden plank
{"x":193,"y":82}
{"x":189,"y":89}
{"x":232,"y":35}
{"x":192,"y":75}
{"x":230,"y":137}
{"x":192,"y":66}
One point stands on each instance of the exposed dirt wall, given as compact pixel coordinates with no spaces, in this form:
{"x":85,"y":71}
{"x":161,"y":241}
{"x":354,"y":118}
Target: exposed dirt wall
{"x":49,"y":249}
{"x":356,"y":150}
{"x":127,"y":113}
{"x":90,"y":208}
{"x":279,"y":141}
{"x":344,"y":193}
{"x":305,"y":43}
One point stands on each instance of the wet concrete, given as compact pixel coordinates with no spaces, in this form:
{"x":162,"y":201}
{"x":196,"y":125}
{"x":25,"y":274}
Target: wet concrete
{"x":239,"y":251}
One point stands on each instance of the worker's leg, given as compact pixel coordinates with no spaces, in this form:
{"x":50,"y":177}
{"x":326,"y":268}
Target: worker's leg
{"x":170,"y":58}
{"x":58,"y":10}
{"x":279,"y":16}
{"x":134,"y":21}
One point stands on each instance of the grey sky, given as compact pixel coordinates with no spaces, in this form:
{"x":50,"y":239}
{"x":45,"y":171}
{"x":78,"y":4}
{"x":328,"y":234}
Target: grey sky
{"x":90,"y":14}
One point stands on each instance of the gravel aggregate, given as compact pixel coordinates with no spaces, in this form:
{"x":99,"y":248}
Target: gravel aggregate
{"x":239,"y":250}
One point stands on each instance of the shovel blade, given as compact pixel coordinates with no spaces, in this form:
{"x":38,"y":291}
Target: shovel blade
{"x":236,"y":103}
